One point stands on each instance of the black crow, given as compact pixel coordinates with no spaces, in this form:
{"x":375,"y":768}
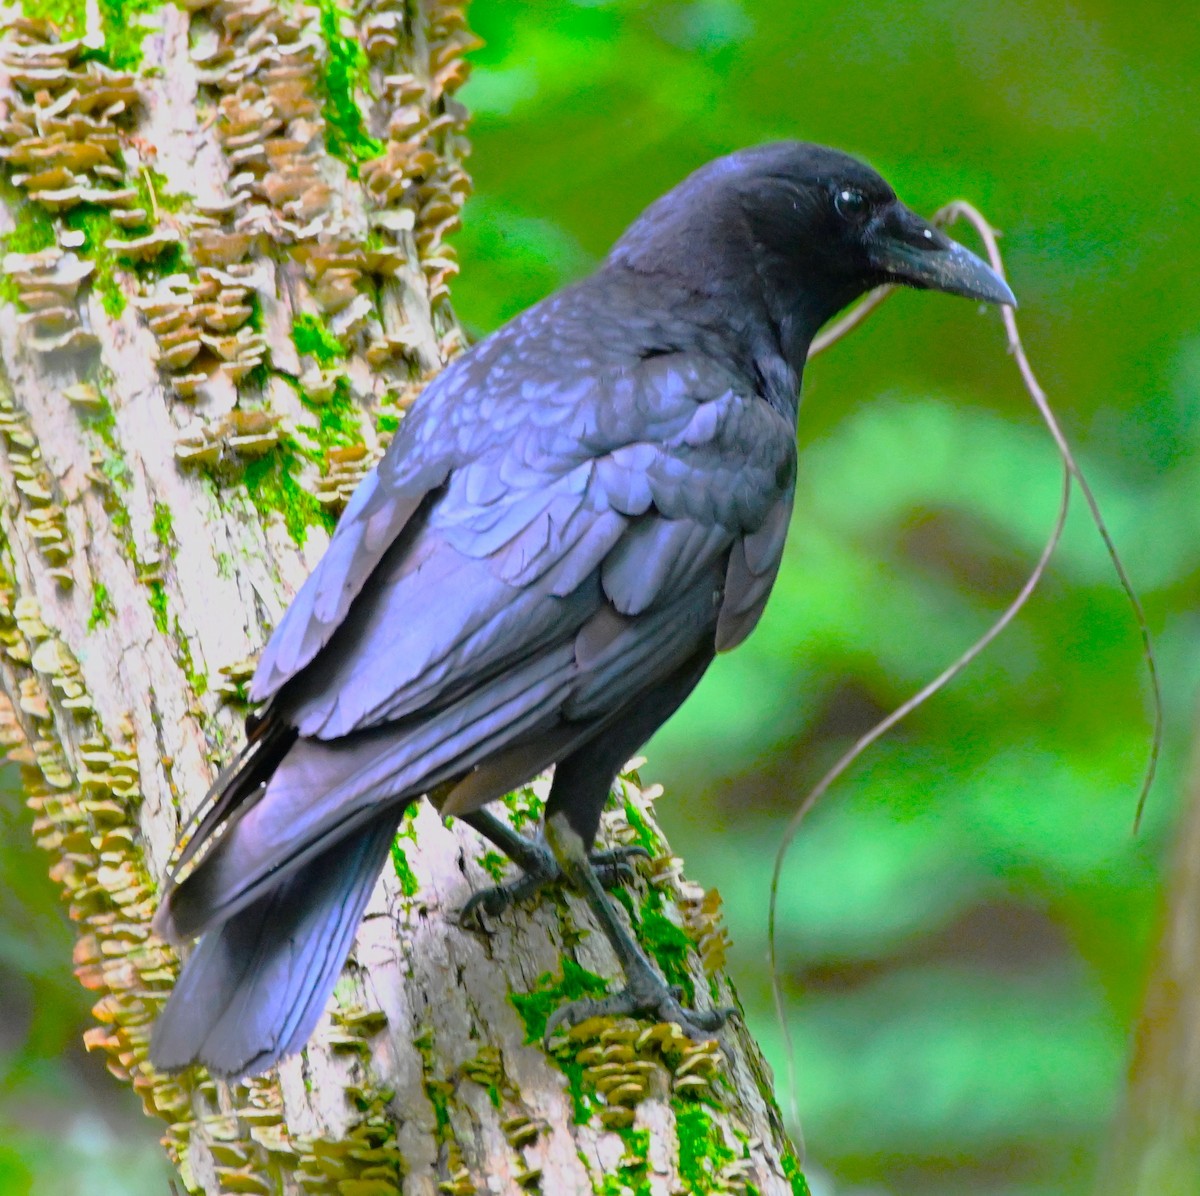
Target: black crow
{"x":575,"y":516}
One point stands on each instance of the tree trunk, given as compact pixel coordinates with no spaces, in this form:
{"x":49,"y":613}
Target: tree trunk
{"x":1156,"y":1147}
{"x":225,"y":281}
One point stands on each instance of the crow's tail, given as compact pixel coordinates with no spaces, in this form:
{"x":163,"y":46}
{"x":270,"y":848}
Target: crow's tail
{"x":256,"y":985}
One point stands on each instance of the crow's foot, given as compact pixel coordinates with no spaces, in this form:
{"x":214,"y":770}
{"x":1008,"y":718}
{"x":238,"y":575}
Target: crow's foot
{"x":646,"y":995}
{"x":540,"y":869}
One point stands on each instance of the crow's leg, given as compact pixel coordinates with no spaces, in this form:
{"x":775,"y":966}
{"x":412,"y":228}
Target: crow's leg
{"x":538,"y":864}
{"x":577,"y":796}
{"x":645,"y":993}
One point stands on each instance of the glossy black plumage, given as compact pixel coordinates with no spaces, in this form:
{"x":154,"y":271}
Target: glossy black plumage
{"x":574,"y":516}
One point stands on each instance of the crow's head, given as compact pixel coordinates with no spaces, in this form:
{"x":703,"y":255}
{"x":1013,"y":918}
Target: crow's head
{"x":805,"y":228}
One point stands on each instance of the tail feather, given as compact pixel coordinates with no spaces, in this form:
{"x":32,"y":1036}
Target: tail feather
{"x":236,"y":788}
{"x":255,"y":987}
{"x":322,"y":791}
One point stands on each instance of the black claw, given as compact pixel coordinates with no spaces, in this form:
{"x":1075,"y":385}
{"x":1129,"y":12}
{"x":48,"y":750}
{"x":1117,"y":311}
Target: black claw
{"x":643,"y":1000}
{"x":618,"y":855}
{"x":612,"y":867}
{"x":495,"y":900}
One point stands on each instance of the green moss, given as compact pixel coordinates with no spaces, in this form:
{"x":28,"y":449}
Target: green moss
{"x":153,"y":193}
{"x":668,"y":943}
{"x":535,"y":1008}
{"x":409,"y":885}
{"x":98,"y":227}
{"x":632,"y":1174}
{"x":111,"y":467}
{"x":408,"y":824}
{"x":438,"y":1091}
{"x":163,"y":525}
{"x":197,"y":680}
{"x":158,"y":604}
{"x":494,"y":864}
{"x":124,"y":32}
{"x":525,"y":807}
{"x":172,"y":259}
{"x":338,"y":419}
{"x":102,"y":607}
{"x":643,"y":833}
{"x":703,"y":1150}
{"x":310,"y":336}
{"x":793,"y":1174}
{"x":34,"y":231}
{"x":345,"y":73}
{"x":69,"y":15}
{"x":34,"y":226}
{"x":387,"y":422}
{"x":271,"y":483}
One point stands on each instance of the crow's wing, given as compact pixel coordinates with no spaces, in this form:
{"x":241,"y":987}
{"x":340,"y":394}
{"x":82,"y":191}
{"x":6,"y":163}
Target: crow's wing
{"x":506,"y":612}
{"x":373,"y":521}
{"x":528,"y":540}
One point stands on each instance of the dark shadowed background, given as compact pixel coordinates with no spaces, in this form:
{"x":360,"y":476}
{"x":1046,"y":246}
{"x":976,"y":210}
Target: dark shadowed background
{"x":966,"y":921}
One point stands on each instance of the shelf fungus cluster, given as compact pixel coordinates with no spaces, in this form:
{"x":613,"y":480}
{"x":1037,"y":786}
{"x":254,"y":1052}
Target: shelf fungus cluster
{"x":421,"y":127}
{"x":47,"y":284}
{"x":84,"y":793}
{"x":60,"y":142}
{"x":624,"y":1062}
{"x":264,"y":62}
{"x":238,"y":435}
{"x":354,"y":244}
{"x":702,"y":914}
{"x":41,"y":509}
{"x":202,"y":325}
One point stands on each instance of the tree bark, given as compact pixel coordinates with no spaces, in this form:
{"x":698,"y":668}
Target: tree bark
{"x":225,"y":280}
{"x":1156,"y":1145}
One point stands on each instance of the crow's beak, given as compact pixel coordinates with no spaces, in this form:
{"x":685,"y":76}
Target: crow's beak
{"x":908,"y":250}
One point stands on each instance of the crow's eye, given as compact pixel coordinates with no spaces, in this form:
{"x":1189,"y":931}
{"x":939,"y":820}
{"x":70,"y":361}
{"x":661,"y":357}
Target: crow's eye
{"x":851,"y":205}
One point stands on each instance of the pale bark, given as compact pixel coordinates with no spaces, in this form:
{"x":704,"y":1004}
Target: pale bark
{"x":162,"y":438}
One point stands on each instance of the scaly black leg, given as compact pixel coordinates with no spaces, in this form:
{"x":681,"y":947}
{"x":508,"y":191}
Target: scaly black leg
{"x":645,"y":992}
{"x":581,"y":784}
{"x":539,"y":866}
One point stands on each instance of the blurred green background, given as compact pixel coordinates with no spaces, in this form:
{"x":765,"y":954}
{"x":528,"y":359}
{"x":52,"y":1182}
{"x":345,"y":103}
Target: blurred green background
{"x":966,"y":921}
